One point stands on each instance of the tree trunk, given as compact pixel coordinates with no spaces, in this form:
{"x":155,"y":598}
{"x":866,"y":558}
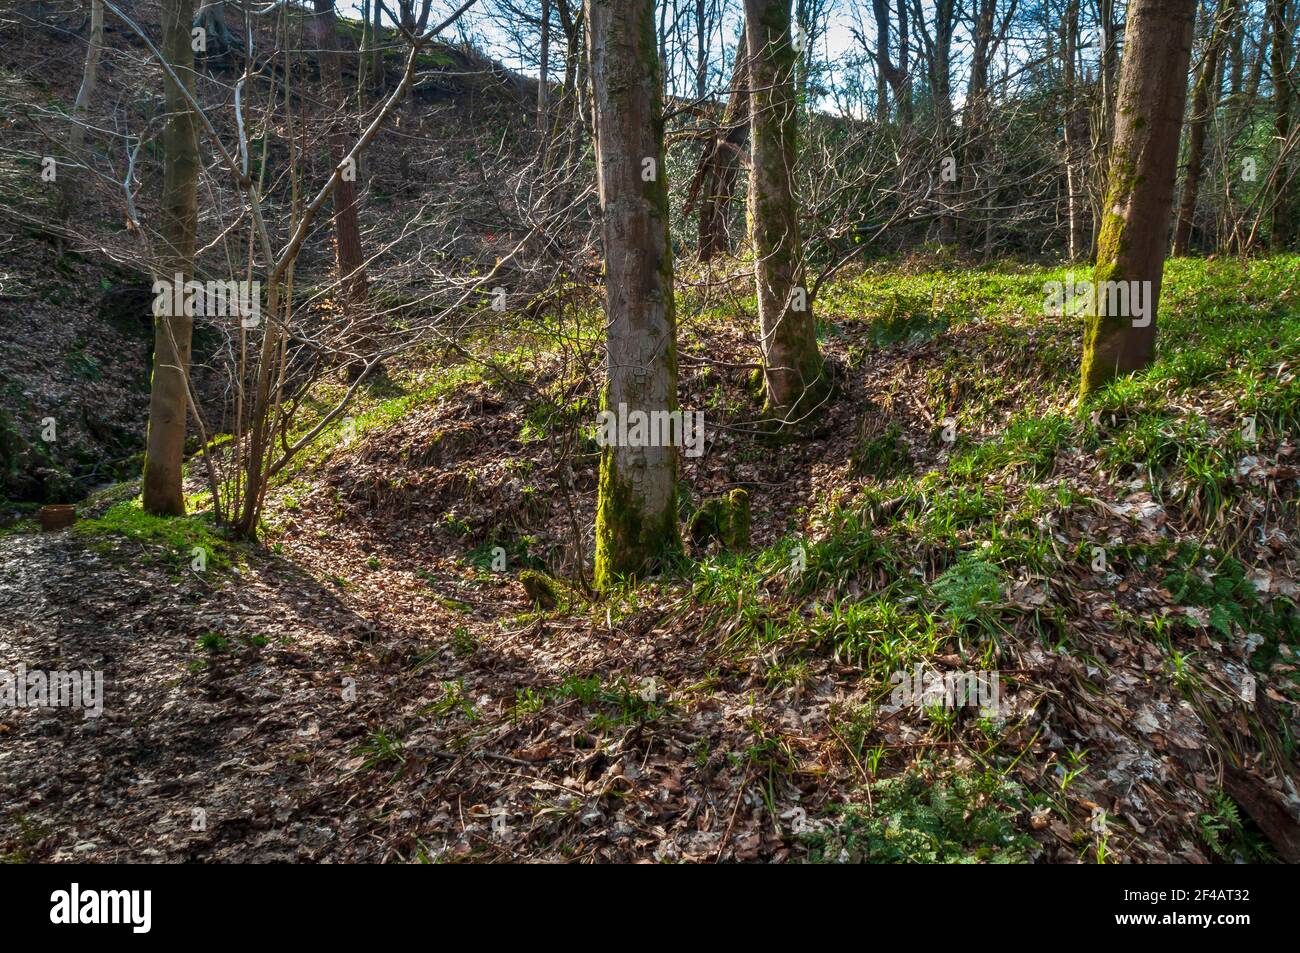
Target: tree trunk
{"x":975,"y":115}
{"x":218,"y":42}
{"x":714,"y":183}
{"x":544,"y":68}
{"x":1199,"y":121}
{"x":938,"y":63}
{"x":376,"y":49}
{"x":168,"y":395}
{"x":1074,"y":133}
{"x":792,"y":366}
{"x":903,"y":91}
{"x":1103,"y":118}
{"x":702,"y":31}
{"x":363,"y":55}
{"x":1134,"y":232}
{"x":347,"y":231}
{"x":890,"y":78}
{"x":636,"y":514}
{"x":1280,"y":234}
{"x":69,"y":183}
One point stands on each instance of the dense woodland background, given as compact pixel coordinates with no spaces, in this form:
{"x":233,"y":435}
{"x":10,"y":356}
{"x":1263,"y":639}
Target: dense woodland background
{"x":365,"y":582}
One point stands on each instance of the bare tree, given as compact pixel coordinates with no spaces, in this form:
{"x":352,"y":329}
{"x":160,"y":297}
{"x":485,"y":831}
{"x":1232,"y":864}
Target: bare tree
{"x":936,"y":47}
{"x":1204,"y":94}
{"x":891,"y":78}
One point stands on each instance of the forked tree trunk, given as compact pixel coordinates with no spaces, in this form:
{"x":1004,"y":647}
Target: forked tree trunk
{"x":1134,"y":234}
{"x":793,"y":373}
{"x":975,"y":115}
{"x":1198,"y":121}
{"x":168,"y":397}
{"x":636,"y":514}
{"x":714,"y":183}
{"x":890,"y":78}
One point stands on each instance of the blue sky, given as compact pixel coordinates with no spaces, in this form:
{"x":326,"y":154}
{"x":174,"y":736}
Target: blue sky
{"x":478,"y":26}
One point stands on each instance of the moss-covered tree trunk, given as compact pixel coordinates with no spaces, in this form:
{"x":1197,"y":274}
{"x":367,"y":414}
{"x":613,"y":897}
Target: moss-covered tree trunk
{"x":636,"y":514}
{"x":1134,"y":234}
{"x":168,"y":397}
{"x":1204,"y":96}
{"x":792,"y":366}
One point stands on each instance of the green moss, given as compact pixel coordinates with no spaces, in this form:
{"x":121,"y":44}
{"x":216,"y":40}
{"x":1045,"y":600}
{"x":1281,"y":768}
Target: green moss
{"x":629,"y":542}
{"x":1102,"y":333}
{"x":541,"y":588}
{"x":724,"y":518}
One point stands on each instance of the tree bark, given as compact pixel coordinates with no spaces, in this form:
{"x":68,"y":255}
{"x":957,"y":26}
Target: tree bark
{"x":168,"y":394}
{"x":903,"y":92}
{"x":636,"y":514}
{"x":988,"y":36}
{"x":68,"y":184}
{"x":1134,"y":234}
{"x":376,"y":50}
{"x":714,"y":183}
{"x":1280,"y":234}
{"x":347,"y":230}
{"x":544,"y":67}
{"x":792,"y":366}
{"x":938,"y":63}
{"x":1198,"y":121}
{"x":1073,"y":127}
{"x":363,"y":55}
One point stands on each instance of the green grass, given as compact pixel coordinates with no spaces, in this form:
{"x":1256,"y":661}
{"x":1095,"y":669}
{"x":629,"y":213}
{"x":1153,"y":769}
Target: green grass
{"x":374,"y":412}
{"x":173,"y":538}
{"x":1229,"y":334}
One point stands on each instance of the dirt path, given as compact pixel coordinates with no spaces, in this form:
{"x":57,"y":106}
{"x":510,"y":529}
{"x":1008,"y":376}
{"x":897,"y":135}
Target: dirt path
{"x":184,"y":764}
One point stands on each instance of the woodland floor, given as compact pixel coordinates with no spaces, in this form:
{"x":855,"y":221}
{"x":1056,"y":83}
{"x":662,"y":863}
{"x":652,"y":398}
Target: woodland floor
{"x":364,"y":687}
